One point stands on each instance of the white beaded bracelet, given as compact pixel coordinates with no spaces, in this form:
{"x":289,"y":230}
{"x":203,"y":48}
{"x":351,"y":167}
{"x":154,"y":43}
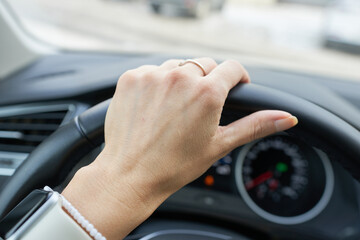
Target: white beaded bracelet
{"x":74,"y":213}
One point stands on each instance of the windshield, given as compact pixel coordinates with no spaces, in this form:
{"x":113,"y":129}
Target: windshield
{"x":312,"y":36}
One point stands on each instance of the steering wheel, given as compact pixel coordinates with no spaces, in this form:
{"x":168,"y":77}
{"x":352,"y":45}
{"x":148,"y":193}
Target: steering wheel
{"x":53,"y":159}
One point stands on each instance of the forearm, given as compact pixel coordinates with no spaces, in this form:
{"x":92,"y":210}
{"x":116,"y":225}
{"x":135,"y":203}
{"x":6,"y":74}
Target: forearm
{"x":114,"y":203}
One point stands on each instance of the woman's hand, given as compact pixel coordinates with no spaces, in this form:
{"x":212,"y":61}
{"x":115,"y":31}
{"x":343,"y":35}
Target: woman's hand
{"x":161,"y":132}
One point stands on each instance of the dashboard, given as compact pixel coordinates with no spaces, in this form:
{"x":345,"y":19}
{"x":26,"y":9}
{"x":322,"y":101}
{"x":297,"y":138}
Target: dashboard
{"x":281,"y":187}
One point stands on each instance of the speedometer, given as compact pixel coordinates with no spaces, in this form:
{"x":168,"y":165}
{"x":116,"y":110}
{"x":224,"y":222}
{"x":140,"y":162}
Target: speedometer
{"x":283,"y":179}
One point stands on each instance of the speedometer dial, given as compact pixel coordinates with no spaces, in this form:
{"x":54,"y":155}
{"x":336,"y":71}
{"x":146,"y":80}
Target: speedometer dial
{"x":284,"y":180}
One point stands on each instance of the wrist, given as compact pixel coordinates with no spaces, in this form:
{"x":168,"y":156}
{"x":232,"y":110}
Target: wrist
{"x":114,"y":202}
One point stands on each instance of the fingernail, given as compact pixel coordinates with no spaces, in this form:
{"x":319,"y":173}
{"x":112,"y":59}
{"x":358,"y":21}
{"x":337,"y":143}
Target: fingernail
{"x":286,"y":123}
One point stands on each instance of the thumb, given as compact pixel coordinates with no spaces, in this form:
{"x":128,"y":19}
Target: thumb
{"x":252,"y":127}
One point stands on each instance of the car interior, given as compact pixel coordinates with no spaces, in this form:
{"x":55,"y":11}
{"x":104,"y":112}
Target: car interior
{"x":299,"y":184}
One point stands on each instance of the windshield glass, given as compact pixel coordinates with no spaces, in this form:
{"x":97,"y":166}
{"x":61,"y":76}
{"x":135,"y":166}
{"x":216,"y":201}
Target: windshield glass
{"x":313,"y":36}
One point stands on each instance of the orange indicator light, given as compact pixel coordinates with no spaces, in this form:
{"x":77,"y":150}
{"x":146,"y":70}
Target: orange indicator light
{"x":209,"y":180}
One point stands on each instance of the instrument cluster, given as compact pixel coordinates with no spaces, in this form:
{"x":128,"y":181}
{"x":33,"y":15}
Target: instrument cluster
{"x":280,"y":178}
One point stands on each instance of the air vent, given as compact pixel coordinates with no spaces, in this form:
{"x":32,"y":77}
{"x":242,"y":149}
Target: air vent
{"x":23,"y":128}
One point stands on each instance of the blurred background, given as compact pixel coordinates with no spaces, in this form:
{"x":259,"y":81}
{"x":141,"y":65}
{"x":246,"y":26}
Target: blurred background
{"x":315,"y":36}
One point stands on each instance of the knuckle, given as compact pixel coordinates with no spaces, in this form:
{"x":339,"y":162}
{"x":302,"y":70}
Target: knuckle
{"x":168,"y":61}
{"x":150,"y":76}
{"x":211,"y":63}
{"x":144,"y":68}
{"x":240,"y":69}
{"x":177,"y":75}
{"x":212,"y":96}
{"x":127,"y":79}
{"x":235,"y":63}
{"x":172,"y":62}
{"x":129,"y":76}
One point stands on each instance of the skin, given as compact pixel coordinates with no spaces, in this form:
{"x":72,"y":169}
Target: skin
{"x":161,"y":132}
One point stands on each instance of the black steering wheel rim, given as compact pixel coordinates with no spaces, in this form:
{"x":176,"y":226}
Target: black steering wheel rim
{"x":57,"y":155}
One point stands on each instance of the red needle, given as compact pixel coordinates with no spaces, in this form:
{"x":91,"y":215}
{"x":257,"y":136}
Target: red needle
{"x":260,"y":179}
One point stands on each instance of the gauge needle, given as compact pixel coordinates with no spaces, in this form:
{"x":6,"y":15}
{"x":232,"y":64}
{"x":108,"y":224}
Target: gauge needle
{"x":260,"y":179}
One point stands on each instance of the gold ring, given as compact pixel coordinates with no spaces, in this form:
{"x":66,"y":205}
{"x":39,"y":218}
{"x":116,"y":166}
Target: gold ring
{"x":193,"y":62}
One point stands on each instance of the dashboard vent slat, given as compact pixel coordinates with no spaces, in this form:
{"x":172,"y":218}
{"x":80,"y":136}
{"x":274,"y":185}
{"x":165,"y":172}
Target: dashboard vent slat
{"x":23,"y":130}
{"x":28,"y":126}
{"x":16,"y":148}
{"x":48,"y":116}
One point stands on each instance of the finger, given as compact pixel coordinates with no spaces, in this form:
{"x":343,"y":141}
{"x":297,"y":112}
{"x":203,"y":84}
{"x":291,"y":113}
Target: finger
{"x":206,"y":64}
{"x":171,"y":64}
{"x":252,"y":127}
{"x":228,"y":74}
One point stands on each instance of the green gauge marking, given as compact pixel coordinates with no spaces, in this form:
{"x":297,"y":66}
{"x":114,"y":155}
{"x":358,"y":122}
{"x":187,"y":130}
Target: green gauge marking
{"x":281,"y":167}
